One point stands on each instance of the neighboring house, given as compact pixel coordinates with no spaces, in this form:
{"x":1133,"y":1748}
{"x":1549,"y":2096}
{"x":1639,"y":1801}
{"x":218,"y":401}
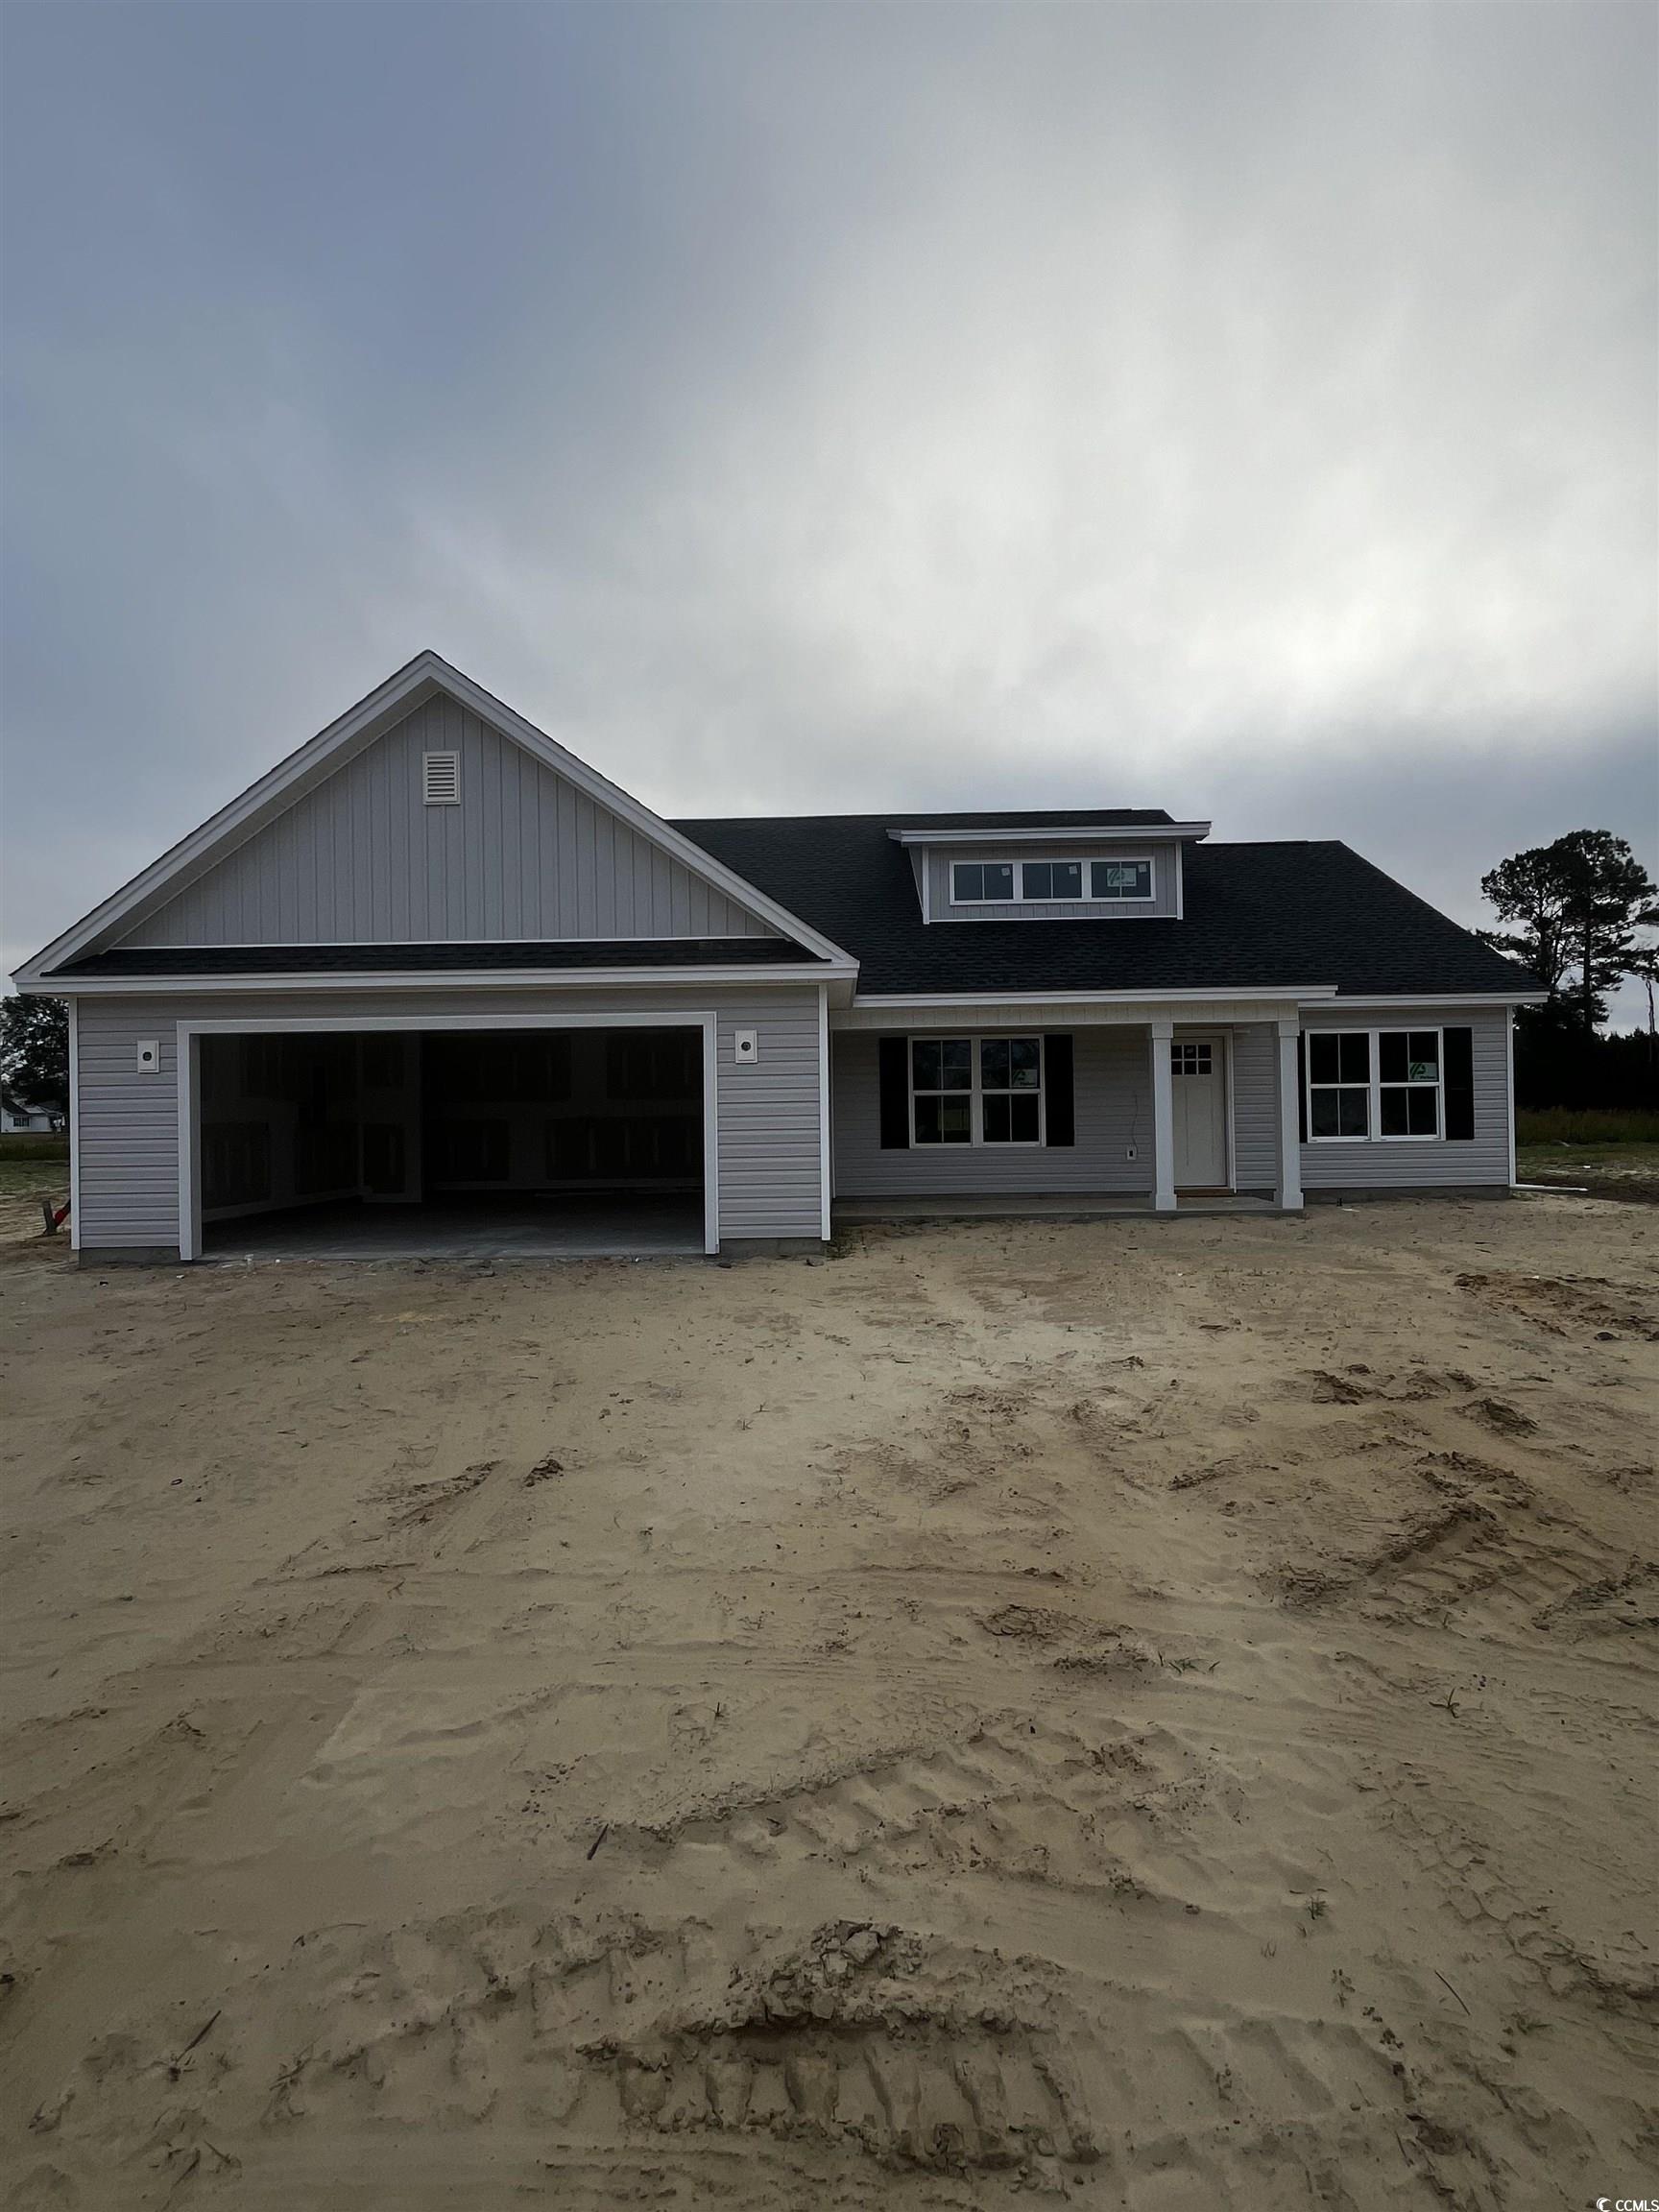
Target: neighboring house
{"x":19,"y":1120}
{"x":434,"y":959}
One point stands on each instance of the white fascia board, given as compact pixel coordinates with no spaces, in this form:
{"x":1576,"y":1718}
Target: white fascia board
{"x":946,"y":1002}
{"x":1471,"y":999}
{"x":1078,"y":834}
{"x":435,"y":979}
{"x":429,"y":672}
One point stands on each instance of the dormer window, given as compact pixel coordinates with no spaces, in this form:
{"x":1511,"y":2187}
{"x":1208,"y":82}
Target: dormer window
{"x":1119,"y":879}
{"x":1051,"y":882}
{"x":973,"y":880}
{"x":1051,"y":879}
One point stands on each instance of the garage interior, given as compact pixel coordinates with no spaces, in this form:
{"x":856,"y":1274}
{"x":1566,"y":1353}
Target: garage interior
{"x":452,"y":1143}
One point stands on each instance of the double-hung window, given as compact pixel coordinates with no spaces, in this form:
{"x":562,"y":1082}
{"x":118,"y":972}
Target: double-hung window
{"x":1408,"y":1082}
{"x":1377,"y":1084}
{"x":1011,"y":1090}
{"x":1339,"y":1084}
{"x":976,"y":1090}
{"x":942,"y":1090}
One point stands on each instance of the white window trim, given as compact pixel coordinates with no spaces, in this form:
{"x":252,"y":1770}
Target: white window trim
{"x":1375,"y":1086}
{"x":976,"y":1094}
{"x":1083,"y":860}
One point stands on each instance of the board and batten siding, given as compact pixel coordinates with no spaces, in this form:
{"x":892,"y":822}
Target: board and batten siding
{"x":128,"y":1128}
{"x":1112,"y":1093}
{"x":1161,"y":902}
{"x":363,"y":859}
{"x":1369,"y":1163}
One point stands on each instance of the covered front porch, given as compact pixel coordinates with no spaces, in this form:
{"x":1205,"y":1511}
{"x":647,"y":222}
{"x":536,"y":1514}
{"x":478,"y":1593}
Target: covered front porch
{"x":1066,"y":1109}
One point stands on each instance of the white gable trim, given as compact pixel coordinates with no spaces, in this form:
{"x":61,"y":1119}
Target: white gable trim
{"x":353,"y":733}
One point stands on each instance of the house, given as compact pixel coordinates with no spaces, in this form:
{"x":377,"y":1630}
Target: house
{"x":19,"y":1119}
{"x":433,"y":972}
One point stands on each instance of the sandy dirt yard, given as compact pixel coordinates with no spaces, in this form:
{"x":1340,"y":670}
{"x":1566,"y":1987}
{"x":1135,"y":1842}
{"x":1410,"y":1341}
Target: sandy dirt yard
{"x":1138,"y":1715}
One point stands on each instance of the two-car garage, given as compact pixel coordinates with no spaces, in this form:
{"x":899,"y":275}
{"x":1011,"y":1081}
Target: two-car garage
{"x":591,"y":1138}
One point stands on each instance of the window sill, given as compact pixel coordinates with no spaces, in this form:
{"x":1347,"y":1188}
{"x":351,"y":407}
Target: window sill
{"x":1436,"y":1140}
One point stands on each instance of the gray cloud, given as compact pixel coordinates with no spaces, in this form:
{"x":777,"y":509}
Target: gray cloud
{"x":1248,"y":410}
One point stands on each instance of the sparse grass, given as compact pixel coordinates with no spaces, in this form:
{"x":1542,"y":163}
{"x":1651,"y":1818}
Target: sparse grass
{"x":32,"y":1164}
{"x":1587,"y":1125}
{"x":1606,"y":1170}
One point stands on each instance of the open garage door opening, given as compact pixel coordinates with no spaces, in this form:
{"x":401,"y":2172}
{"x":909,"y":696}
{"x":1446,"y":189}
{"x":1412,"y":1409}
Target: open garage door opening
{"x":451,"y":1142}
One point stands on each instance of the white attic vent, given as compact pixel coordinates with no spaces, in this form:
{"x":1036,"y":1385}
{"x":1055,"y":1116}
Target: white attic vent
{"x":442,"y":779}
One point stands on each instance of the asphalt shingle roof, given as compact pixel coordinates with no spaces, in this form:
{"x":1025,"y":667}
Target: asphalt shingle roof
{"x":1263,"y":915}
{"x":1267,"y":915}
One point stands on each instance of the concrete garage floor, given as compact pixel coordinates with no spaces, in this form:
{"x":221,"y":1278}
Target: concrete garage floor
{"x":523,"y":1226}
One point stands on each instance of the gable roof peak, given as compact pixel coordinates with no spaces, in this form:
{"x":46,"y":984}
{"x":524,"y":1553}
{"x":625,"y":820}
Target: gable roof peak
{"x":354,"y":732}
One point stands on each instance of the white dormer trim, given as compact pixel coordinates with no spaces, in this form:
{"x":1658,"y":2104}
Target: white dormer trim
{"x":1083,"y":857}
{"x":1089,"y":832}
{"x":353,"y":733}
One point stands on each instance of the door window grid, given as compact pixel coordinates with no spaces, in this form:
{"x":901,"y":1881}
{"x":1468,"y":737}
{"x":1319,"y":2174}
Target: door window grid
{"x":1193,"y":1059}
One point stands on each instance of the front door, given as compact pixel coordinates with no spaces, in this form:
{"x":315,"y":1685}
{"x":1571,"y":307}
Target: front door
{"x":1199,"y":1072}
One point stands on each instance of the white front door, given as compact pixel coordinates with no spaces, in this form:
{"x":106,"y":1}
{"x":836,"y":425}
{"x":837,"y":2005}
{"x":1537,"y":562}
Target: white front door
{"x":1199,"y":1072}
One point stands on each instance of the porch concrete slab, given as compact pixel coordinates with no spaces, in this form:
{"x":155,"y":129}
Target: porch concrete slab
{"x":527,"y":1227}
{"x":975,"y":1206}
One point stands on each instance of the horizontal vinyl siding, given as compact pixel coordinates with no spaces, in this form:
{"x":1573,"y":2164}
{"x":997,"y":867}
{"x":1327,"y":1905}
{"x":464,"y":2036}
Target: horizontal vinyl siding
{"x":126,"y":1126}
{"x":768,"y":1112}
{"x":769,"y":1179}
{"x":1362,"y":1165}
{"x":940,"y":859}
{"x":1256,"y":1108}
{"x":1112,"y":1094}
{"x":363,"y":859}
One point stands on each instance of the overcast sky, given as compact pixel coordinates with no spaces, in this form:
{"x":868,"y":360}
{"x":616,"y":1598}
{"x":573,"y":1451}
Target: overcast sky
{"x":1242,"y":409}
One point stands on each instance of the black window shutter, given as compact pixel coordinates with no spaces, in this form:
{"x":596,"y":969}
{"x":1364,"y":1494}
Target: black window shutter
{"x":1459,"y":1077}
{"x":1060,"y":1113}
{"x":1302,"y":1088}
{"x":895,"y":1054}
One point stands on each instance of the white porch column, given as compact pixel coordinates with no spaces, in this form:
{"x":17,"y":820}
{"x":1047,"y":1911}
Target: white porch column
{"x":1290,"y":1181}
{"x":1163,"y":1118}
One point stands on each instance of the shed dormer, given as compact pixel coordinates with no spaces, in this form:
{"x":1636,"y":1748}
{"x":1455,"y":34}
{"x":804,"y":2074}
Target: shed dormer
{"x":1083,"y":868}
